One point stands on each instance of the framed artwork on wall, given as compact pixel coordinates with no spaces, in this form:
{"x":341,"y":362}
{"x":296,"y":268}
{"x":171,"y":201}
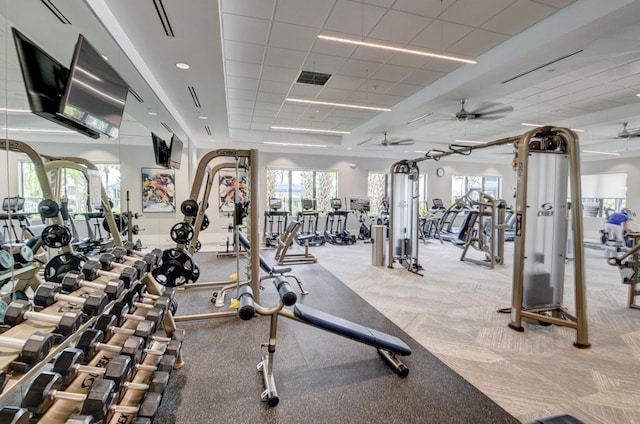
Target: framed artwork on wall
{"x":227,"y":189}
{"x":158,"y":190}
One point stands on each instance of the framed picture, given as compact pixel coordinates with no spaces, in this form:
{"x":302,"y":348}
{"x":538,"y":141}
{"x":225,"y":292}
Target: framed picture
{"x":158,"y":190}
{"x":227,"y":189}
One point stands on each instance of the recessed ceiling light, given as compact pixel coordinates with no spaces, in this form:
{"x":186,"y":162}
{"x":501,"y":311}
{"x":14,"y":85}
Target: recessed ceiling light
{"x":203,"y":117}
{"x":335,"y":104}
{"x":601,"y":153}
{"x":294,"y":144}
{"x":104,"y":57}
{"x":638,"y":94}
{"x":212,"y":139}
{"x":526,"y":124}
{"x":152,"y":113}
{"x":182,"y":65}
{"x":312,"y":130}
{"x":395,"y":49}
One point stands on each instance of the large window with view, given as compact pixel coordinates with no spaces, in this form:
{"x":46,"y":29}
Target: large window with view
{"x":603,"y":194}
{"x":74,"y":186}
{"x":461,"y":184}
{"x":291,"y":186}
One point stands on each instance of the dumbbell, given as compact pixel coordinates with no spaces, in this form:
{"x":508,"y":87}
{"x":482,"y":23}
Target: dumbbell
{"x":32,"y":350}
{"x":13,"y":415}
{"x":120,"y":311}
{"x":72,"y":281}
{"x":92,"y":340}
{"x":21,"y":310}
{"x":119,"y":370}
{"x":108,"y":261}
{"x":138,"y":291}
{"x":46,"y":387}
{"x":93,"y":270}
{"x":151,"y":259}
{"x":108,"y":325}
{"x":48,"y":293}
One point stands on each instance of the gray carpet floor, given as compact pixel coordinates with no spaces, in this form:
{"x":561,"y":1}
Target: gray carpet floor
{"x":321,"y":377}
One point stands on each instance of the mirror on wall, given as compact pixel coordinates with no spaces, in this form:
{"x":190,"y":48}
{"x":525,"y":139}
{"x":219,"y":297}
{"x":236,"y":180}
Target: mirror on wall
{"x":45,"y":39}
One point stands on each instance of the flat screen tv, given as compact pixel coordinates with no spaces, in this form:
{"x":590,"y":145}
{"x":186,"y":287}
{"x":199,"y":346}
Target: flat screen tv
{"x":175,"y":155}
{"x":45,"y":79}
{"x":95,"y":94}
{"x":160,"y":151}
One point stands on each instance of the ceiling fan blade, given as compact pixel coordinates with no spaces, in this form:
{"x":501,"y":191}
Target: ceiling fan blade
{"x":503,"y":110}
{"x":403,"y":142}
{"x":363,"y":142}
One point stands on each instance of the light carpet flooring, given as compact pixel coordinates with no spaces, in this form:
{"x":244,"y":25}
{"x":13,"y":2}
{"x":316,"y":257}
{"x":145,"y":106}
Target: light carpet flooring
{"x":452,"y":312}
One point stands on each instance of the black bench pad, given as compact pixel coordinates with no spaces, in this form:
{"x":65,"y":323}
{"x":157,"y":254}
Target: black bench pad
{"x":351,"y":329}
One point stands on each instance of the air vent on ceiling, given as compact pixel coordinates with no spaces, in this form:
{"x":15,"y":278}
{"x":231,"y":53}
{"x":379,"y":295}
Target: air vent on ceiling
{"x":313,"y":78}
{"x":194,"y":96}
{"x":164,"y":19}
{"x":56,"y":12}
{"x":166,"y":127}
{"x":207,"y":129}
{"x":136,"y":95}
{"x":541,"y":66}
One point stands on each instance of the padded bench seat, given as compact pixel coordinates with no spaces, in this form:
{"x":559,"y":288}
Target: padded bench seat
{"x":351,"y":329}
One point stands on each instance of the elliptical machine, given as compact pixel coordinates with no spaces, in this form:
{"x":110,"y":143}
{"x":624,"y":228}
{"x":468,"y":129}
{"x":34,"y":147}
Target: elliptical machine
{"x":275,"y":221}
{"x":341,"y":235}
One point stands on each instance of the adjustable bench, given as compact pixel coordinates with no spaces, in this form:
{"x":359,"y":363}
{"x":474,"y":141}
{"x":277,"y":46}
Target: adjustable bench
{"x":286,"y":240}
{"x":273,"y":271}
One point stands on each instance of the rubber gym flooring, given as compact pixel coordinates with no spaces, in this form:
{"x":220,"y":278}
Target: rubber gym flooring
{"x":320,"y":377}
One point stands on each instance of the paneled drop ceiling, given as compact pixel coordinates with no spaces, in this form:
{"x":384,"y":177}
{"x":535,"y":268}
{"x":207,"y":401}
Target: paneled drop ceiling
{"x":573,"y":63}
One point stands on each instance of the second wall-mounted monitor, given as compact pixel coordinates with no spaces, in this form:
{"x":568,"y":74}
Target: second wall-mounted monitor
{"x":95,"y":94}
{"x":175,"y":156}
{"x":160,"y":151}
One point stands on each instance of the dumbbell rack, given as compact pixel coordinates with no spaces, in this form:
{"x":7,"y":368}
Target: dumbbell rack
{"x":61,"y":409}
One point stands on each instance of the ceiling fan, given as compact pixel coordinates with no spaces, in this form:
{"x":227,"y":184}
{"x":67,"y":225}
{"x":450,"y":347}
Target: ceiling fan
{"x":393,"y":142}
{"x":628,"y":133}
{"x":486,"y":111}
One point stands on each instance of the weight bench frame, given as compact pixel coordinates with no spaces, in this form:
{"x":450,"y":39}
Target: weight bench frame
{"x":286,"y":240}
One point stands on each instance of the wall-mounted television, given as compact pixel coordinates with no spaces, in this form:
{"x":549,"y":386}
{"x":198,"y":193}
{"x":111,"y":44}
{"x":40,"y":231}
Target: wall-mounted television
{"x":175,"y":155}
{"x":160,"y":151}
{"x":44,"y":80}
{"x":95,"y":94}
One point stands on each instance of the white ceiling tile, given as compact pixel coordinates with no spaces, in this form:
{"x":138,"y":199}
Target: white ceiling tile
{"x":618,"y":72}
{"x":244,"y":52}
{"x":288,"y":36}
{"x":440,"y":65}
{"x":392,"y":73}
{"x":525,"y":93}
{"x":323,"y":63}
{"x":242,"y":83}
{"x":344,"y":82}
{"x":623,"y":96}
{"x":372,"y":54}
{"x":554,"y":82}
{"x":510,"y":20}
{"x":406,"y":90}
{"x":423,"y":77}
{"x":237,"y":94}
{"x":381,"y":3}
{"x":373,"y":86}
{"x":358,"y":68}
{"x":310,"y":13}
{"x":441,"y":35}
{"x":236,"y":103}
{"x":278,"y":74}
{"x":408,"y":60}
{"x":556,"y":3}
{"x":269,"y":97}
{"x":399,"y":27}
{"x":353,"y":18}
{"x":578,"y":85}
{"x":332,"y":48}
{"x":431,"y":8}
{"x":475,"y":13}
{"x":333,"y":94}
{"x":242,"y":69}
{"x":257,"y":9}
{"x":477,"y":42}
{"x":274,"y":87}
{"x":284,"y":58}
{"x":245,"y":29}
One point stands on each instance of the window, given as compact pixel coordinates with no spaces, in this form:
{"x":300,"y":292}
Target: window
{"x":75,"y":187}
{"x":460,"y":185}
{"x":292,"y":186}
{"x":377,"y":189}
{"x":603,"y":194}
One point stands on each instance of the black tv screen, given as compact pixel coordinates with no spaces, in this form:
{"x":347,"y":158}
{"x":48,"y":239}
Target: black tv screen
{"x":160,"y":151}
{"x":95,"y":94}
{"x":44,"y":80}
{"x":175,"y":156}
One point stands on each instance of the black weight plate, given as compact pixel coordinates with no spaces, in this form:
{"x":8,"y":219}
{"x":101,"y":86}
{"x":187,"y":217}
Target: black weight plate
{"x":189,"y":208}
{"x":174,"y":269}
{"x":48,"y":208}
{"x":56,"y":235}
{"x":59,"y":265}
{"x":181,"y":232}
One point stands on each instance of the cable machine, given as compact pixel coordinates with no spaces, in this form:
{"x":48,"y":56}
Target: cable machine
{"x":547,"y":160}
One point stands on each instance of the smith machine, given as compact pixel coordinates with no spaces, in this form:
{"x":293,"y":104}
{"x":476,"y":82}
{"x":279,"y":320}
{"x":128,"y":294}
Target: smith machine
{"x":547,"y":161}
